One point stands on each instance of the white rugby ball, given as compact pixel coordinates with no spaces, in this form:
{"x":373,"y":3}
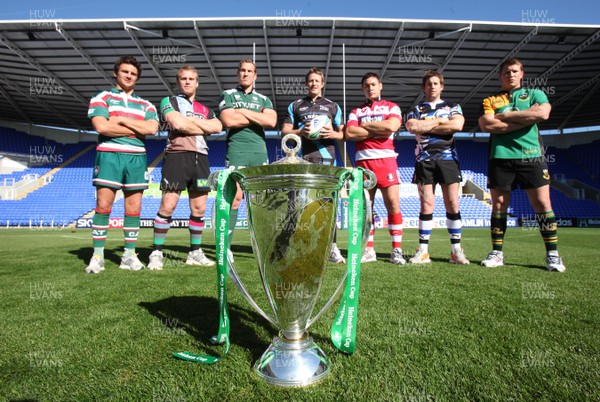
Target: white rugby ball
{"x":316,"y":124}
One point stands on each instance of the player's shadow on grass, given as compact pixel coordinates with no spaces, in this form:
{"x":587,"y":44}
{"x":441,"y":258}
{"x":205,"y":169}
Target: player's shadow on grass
{"x":110,"y":254}
{"x":209,"y":251}
{"x":199,"y":317}
{"x":476,"y":263}
{"x":174,"y":251}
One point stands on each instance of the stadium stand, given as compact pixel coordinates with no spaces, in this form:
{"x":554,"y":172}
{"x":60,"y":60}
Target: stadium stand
{"x":68,"y":194}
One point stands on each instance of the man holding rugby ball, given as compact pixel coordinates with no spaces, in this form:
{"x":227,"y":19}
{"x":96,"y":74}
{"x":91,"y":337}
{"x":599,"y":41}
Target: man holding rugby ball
{"x":318,"y":145}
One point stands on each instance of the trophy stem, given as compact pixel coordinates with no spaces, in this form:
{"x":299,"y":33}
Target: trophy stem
{"x":292,"y":363}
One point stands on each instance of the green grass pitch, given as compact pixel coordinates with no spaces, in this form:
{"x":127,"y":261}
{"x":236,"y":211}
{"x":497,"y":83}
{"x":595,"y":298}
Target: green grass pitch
{"x":425,"y":333}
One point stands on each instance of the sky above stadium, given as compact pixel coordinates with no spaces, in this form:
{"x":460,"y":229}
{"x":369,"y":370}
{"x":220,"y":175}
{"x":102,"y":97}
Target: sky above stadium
{"x":536,"y":11}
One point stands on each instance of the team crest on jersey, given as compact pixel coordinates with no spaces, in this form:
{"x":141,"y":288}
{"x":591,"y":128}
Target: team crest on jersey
{"x":390,"y":177}
{"x":524,"y":96}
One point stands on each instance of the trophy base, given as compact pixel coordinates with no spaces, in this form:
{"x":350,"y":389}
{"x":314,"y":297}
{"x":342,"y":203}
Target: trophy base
{"x":292,"y":363}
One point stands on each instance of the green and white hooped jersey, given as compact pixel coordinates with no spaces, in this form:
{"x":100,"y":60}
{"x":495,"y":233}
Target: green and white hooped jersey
{"x":115,"y":102}
{"x":250,"y":138}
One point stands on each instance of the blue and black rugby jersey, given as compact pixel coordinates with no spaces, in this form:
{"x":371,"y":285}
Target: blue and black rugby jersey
{"x":303,"y":110}
{"x":434,"y":146}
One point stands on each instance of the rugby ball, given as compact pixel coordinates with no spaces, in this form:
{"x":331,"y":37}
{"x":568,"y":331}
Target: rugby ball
{"x":316,"y":124}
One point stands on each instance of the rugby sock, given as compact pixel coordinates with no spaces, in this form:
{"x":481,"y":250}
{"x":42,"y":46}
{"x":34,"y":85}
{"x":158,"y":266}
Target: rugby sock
{"x":454,"y":225}
{"x":131,"y":230}
{"x":99,"y":230}
{"x":547,"y":223}
{"x":497,"y":229}
{"x":196,"y":227}
{"x":371,"y":240}
{"x":395,"y":229}
{"x":162,"y":224}
{"x":425,"y":227}
{"x":233,"y":214}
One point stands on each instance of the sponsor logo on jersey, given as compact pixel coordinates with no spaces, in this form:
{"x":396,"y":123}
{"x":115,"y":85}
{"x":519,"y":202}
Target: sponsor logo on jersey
{"x":381,"y":109}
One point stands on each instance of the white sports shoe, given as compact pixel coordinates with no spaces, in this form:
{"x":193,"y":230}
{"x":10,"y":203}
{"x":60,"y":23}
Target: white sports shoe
{"x":336,"y":256}
{"x":368,"y":256}
{"x":554,"y":262}
{"x":96,"y":265}
{"x":494,"y":259}
{"x":421,"y":257}
{"x":197,"y":257}
{"x":131,"y":262}
{"x":156,"y":261}
{"x":458,"y":257}
{"x":396,"y":257}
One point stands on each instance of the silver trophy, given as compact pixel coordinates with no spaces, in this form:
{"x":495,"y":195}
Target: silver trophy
{"x":292,"y":211}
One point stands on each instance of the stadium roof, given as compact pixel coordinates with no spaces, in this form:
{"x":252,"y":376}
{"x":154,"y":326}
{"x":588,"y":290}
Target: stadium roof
{"x":49,"y":69}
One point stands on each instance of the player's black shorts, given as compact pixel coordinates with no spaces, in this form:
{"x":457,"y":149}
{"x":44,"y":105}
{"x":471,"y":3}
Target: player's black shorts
{"x":326,"y":156}
{"x":185,"y":170}
{"x":437,"y":172}
{"x":506,"y":174}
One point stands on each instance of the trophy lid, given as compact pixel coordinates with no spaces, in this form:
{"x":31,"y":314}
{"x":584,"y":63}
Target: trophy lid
{"x":291,"y":154}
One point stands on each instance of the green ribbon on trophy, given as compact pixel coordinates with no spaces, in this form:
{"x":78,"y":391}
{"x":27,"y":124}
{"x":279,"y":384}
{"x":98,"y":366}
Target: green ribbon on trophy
{"x":343,"y":329}
{"x":225,"y":193}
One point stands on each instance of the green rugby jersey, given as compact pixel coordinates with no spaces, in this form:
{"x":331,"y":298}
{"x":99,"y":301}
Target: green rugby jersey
{"x":251,"y":138}
{"x":520,"y":144}
{"x":115,"y":102}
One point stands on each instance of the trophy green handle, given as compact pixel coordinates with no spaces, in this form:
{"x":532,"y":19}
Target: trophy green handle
{"x":231,"y":271}
{"x":370,"y":181}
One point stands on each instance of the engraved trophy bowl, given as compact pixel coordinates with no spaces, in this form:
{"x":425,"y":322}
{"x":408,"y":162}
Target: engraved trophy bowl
{"x":292,"y":213}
